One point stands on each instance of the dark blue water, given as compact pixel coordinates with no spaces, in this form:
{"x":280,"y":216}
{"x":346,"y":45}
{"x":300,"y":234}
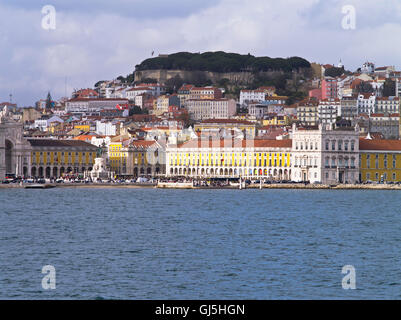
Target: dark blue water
{"x":199,"y":244}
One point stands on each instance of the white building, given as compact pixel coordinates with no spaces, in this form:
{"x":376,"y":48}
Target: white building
{"x":211,"y":108}
{"x":398,"y":87}
{"x":348,"y":108}
{"x":368,"y":67}
{"x":258,"y":110}
{"x":105,"y":128}
{"x":387,"y":105}
{"x":45,"y":121}
{"x":92,"y":105}
{"x":247,"y":96}
{"x":326,"y":155}
{"x":343,"y":86}
{"x":366,"y":103}
{"x":132,"y":93}
{"x":329,"y":110}
{"x":100,"y":141}
{"x":120,"y":93}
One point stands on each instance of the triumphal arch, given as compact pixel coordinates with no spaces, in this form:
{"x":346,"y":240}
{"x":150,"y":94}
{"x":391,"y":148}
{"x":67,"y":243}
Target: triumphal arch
{"x":15,"y":150}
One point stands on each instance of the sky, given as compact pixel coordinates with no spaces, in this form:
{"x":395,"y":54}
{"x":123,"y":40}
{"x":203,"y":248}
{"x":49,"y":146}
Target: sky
{"x":102,"y":39}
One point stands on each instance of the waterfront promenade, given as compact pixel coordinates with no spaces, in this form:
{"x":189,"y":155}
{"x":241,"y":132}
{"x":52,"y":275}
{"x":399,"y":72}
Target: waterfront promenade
{"x":228,"y":187}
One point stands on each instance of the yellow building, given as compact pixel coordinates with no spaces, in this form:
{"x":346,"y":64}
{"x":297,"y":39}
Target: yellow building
{"x":53,"y":158}
{"x":216,"y":158}
{"x":148,"y":158}
{"x":117,"y":157}
{"x":83,"y":127}
{"x":276,"y":120}
{"x":136,"y":158}
{"x":380,"y":160}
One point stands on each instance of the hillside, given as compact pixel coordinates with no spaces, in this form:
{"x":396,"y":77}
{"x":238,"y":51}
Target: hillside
{"x":229,"y":70}
{"x":221,"y":62}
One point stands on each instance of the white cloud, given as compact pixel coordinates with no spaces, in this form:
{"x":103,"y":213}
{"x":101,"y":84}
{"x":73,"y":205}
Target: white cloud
{"x":91,"y":45}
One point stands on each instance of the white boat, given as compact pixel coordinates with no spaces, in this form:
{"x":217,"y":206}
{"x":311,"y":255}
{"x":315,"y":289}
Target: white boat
{"x":39,"y":186}
{"x":175,"y":185}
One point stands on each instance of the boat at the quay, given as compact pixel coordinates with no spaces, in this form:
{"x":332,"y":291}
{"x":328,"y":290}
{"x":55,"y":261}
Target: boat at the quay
{"x":39,"y":186}
{"x":175,"y":185}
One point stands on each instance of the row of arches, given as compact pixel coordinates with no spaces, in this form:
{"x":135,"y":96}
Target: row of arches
{"x":146,"y":171}
{"x":279,"y":174}
{"x":53,"y":172}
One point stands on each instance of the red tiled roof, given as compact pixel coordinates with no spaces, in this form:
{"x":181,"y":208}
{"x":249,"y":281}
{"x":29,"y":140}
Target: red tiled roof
{"x":96,"y":99}
{"x":231,"y":121}
{"x":140,"y":89}
{"x":380,"y":145}
{"x":236,"y":143}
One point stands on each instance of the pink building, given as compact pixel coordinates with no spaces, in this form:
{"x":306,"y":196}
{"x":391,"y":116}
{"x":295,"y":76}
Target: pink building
{"x":329,"y":88}
{"x":315,"y":93}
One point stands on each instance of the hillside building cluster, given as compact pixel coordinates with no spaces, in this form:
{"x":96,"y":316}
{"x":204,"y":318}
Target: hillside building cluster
{"x":347,"y":130}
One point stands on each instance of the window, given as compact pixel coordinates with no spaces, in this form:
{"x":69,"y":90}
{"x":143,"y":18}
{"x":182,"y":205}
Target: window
{"x":340,"y":145}
{"x":352,"y":145}
{"x":394,"y":176}
{"x":394,"y":161}
{"x":333,"y":145}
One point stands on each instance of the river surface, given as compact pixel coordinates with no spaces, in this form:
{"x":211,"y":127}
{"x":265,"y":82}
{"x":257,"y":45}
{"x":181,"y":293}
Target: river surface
{"x":199,"y":244}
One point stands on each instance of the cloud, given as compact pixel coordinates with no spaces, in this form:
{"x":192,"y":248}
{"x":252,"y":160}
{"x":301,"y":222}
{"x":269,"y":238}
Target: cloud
{"x":97,"y":40}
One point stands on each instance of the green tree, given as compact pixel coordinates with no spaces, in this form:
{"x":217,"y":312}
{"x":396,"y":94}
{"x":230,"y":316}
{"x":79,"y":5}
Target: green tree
{"x":49,"y":101}
{"x":389,"y":88}
{"x":135,"y":110}
{"x":365,"y":87}
{"x":334,"y":72}
{"x":173,"y":84}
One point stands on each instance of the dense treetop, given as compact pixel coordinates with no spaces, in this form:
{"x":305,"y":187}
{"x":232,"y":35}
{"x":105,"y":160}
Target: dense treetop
{"x":221,"y":62}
